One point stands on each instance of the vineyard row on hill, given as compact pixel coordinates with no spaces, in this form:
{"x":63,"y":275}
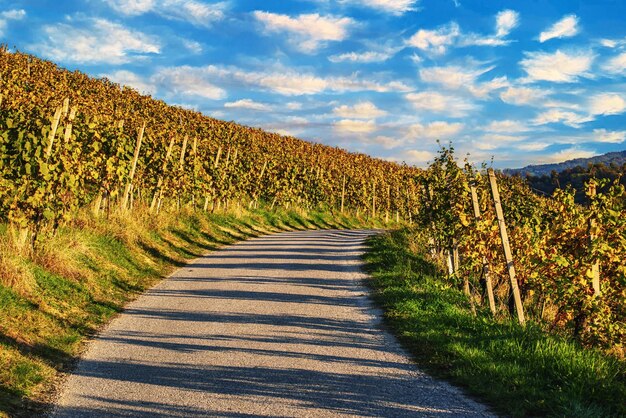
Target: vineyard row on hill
{"x":68,"y":141}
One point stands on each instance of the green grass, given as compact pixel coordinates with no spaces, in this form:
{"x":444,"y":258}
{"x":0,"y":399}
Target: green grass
{"x":54,"y":298}
{"x":518,"y":371}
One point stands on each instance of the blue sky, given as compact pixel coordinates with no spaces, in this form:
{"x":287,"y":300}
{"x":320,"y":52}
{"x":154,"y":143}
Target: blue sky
{"x":521,"y":81}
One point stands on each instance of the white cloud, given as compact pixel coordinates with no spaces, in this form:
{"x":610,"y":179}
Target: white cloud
{"x":95,"y":41}
{"x":387,"y":142}
{"x":613,"y":43}
{"x":492,"y":141}
{"x":355,"y":126}
{"x":506,"y":21}
{"x":612,"y":137}
{"x":567,"y":154}
{"x":309,"y":31}
{"x":13,"y":14}
{"x":417,"y":157}
{"x":248,"y":104}
{"x":192,"y":46}
{"x":186,"y":81}
{"x":362,"y":57}
{"x":559,"y":67}
{"x":478,"y":40}
{"x":564,"y":28}
{"x":617,"y":64}
{"x":436,"y":102}
{"x":130,"y":79}
{"x":451,"y":77}
{"x":289,"y":126}
{"x":194,"y":12}
{"x":562,"y":116}
{"x":483,"y":146}
{"x":435,"y":41}
{"x":523,"y":95}
{"x":607,"y":104}
{"x":293,"y":106}
{"x":532,"y":146}
{"x":435,"y":130}
{"x":416,"y":59}
{"x":483,"y":90}
{"x":608,"y":43}
{"x":395,"y":7}
{"x":506,"y":126}
{"x":498,"y":138}
{"x":361,"y":110}
{"x":132,"y":7}
{"x":286,"y":81}
{"x":561,"y":104}
{"x":457,"y":77}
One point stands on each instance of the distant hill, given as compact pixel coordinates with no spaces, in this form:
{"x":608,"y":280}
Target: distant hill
{"x":574,"y":173}
{"x":617,"y":158}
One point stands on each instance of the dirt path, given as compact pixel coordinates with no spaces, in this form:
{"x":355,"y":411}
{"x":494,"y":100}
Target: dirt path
{"x":274,"y":326}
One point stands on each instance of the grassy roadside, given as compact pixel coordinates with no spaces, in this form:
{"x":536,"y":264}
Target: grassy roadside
{"x":53,"y":299}
{"x":520,"y":372}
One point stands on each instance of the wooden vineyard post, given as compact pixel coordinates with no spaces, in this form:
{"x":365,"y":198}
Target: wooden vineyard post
{"x":388,"y":204}
{"x":486,"y":273}
{"x":182,"y":153}
{"x":181,"y":165}
{"x":66,"y":107}
{"x":373,"y":200}
{"x":227,"y":158}
{"x":217,"y":157}
{"x":216,"y":163}
{"x":450,"y":263}
{"x":194,"y":152}
{"x":133,"y":167}
{"x":595,"y":267}
{"x":97,"y":204}
{"x":454,"y":263}
{"x":343,"y":193}
{"x":410,"y":198}
{"x":159,"y":192}
{"x":263,"y":170}
{"x":68,"y":128}
{"x":506,"y":247}
{"x":255,"y":199}
{"x":53,"y":131}
{"x":427,"y":193}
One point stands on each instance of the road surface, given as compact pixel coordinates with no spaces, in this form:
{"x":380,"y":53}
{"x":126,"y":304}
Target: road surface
{"x":279,"y":326}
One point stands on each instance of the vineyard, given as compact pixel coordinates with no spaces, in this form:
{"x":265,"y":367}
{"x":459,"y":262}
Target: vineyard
{"x":72,"y":145}
{"x":549,"y":260}
{"x":69,"y":141}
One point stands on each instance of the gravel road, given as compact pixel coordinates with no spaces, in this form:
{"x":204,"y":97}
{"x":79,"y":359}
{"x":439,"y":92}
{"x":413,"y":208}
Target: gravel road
{"x":279,"y":326}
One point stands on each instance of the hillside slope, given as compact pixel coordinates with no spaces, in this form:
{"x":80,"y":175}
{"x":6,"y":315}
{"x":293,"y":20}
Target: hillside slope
{"x":122,"y":147}
{"x":617,"y":158}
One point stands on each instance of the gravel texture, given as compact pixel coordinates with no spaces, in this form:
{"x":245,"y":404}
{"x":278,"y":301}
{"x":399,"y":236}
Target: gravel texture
{"x":279,"y":326}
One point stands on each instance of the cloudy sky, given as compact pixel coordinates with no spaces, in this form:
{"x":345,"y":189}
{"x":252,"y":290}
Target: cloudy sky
{"x":530,"y":81}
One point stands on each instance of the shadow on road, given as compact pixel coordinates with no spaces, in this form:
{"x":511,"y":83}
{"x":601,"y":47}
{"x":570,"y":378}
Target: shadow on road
{"x":279,"y":320}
